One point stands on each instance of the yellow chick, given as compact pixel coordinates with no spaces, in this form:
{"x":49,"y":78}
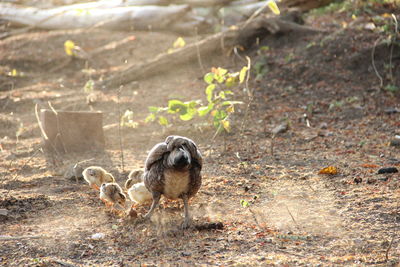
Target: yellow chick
{"x":134,"y":177}
{"x":96,"y":176}
{"x":111,"y":194}
{"x":139,"y":194}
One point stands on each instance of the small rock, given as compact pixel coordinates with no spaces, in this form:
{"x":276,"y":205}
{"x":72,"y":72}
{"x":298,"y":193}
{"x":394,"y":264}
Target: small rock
{"x":280,"y":128}
{"x":78,"y":170}
{"x":74,"y":172}
{"x":98,"y":236}
{"x":358,"y":180}
{"x":186,"y":254}
{"x":395,"y":142}
{"x":388,"y":170}
{"x":323,"y":125}
{"x":3,"y":212}
{"x":392,"y":110}
{"x":371,"y":181}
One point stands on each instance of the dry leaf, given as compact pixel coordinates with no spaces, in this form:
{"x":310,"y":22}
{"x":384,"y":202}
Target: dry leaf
{"x":329,"y":170}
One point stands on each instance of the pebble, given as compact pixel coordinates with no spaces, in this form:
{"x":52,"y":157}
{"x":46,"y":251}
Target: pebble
{"x":98,"y":236}
{"x":3,"y":212}
{"x":395,"y":142}
{"x":388,"y":170}
{"x":186,"y":254}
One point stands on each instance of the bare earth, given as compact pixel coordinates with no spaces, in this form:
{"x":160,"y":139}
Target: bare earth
{"x":295,"y":215}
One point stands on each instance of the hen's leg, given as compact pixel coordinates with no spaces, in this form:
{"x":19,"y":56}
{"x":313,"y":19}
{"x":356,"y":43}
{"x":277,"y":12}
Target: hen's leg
{"x":156,"y":201}
{"x":187,"y":221}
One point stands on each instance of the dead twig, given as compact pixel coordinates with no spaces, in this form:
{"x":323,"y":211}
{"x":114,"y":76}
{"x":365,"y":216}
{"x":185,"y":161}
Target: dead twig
{"x":255,"y":218}
{"x":198,"y":53}
{"x":59,"y":137}
{"x":44,"y":135}
{"x":393,"y":42}
{"x":272,"y":145}
{"x":62,"y":263}
{"x":249,"y":94}
{"x":373,"y":63}
{"x":9,"y":238}
{"x":121,"y":149}
{"x":388,"y":249}
{"x":297,"y":225}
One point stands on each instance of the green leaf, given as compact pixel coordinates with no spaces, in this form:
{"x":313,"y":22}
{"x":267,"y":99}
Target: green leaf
{"x":242,"y":74}
{"x":175,"y":106}
{"x":150,"y":118}
{"x":163,"y":121}
{"x":230,"y":82}
{"x":391,"y":88}
{"x":153,"y":109}
{"x":228,"y":92}
{"x":274,"y":7}
{"x":192,"y":104}
{"x":221,"y":71}
{"x":220,"y":115}
{"x":229,"y":102}
{"x":205,"y":110}
{"x":209,"y":91}
{"x":89,"y":86}
{"x":219,"y":78}
{"x":189,"y":115}
{"x":244,"y":203}
{"x":222,"y":94}
{"x":209,"y":77}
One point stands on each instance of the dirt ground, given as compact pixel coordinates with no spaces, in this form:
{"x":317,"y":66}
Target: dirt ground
{"x":322,"y":85}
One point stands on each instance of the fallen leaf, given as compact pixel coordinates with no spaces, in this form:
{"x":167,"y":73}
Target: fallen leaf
{"x":367,"y":165}
{"x":329,"y":170}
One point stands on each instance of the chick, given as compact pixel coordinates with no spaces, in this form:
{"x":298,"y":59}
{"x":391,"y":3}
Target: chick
{"x":139,"y":194}
{"x":111,"y":194}
{"x":96,"y":176}
{"x":134,"y":177}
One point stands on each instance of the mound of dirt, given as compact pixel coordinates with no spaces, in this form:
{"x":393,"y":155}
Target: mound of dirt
{"x":20,"y":207}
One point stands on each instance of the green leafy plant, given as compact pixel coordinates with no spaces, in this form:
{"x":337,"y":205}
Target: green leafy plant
{"x":219,"y":106}
{"x":89,"y":87}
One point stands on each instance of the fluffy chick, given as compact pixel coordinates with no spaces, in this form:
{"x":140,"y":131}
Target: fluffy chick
{"x":139,"y":194}
{"x":112,"y":193}
{"x":96,"y":176}
{"x":134,"y":177}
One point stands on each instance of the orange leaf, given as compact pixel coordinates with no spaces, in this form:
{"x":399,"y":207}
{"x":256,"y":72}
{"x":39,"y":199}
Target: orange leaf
{"x":366,"y":165}
{"x":328,"y":170}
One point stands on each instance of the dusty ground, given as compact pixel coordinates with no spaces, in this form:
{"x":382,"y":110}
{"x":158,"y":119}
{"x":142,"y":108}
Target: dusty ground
{"x":295,"y":215}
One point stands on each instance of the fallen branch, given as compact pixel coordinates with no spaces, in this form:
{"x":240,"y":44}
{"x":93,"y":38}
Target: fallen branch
{"x":172,"y":18}
{"x":8,"y":238}
{"x":232,"y":37}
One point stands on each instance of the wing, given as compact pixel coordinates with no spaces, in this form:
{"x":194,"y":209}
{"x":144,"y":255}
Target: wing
{"x":154,"y":177}
{"x":176,"y":141}
{"x":155,"y":154}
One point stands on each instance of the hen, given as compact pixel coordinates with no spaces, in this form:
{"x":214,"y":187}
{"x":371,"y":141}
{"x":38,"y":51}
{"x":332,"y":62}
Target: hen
{"x":173,"y":169}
